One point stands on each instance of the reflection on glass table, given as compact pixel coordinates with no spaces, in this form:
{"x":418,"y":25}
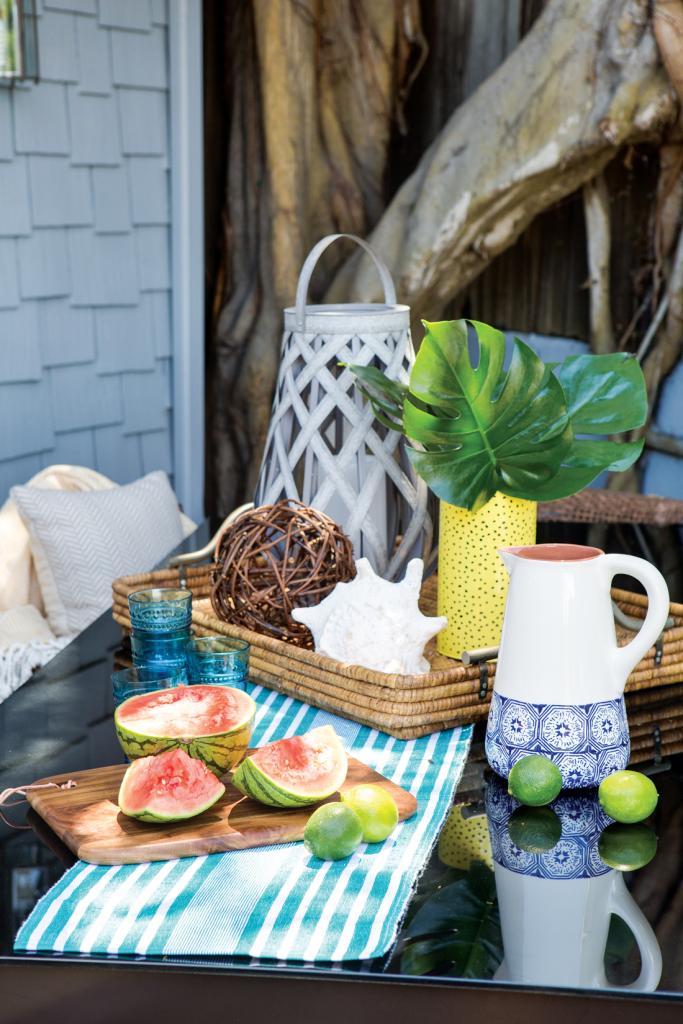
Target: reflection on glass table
{"x":556,"y":894}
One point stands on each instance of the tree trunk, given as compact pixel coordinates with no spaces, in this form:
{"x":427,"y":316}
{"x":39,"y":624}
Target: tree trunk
{"x":315,"y":89}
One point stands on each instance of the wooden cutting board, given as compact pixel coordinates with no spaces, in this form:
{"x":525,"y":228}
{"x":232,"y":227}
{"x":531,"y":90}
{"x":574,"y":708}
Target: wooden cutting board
{"x":87,"y":819}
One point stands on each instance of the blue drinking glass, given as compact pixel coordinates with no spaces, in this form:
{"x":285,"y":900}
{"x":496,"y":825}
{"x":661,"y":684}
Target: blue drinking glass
{"x":160,"y":610}
{"x":218,"y":660}
{"x":161,"y":651}
{"x":129,"y":682}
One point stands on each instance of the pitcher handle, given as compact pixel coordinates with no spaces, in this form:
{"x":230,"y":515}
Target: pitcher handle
{"x":624,"y":906}
{"x":626,"y":658}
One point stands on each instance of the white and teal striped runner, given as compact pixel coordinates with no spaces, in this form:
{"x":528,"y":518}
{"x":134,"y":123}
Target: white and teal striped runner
{"x":275,"y":902}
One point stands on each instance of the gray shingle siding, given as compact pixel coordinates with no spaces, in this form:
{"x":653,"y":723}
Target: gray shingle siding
{"x":60,"y":193}
{"x":85,"y":324}
{"x":143,"y":128}
{"x":6,"y":144}
{"x":133,"y":15}
{"x":9,"y":274}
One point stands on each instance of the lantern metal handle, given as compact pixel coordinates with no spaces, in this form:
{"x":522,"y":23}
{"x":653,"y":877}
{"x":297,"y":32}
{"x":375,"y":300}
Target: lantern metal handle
{"x":309,"y":266}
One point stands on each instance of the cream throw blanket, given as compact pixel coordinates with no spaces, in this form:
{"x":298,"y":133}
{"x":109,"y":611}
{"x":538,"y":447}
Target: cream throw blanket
{"x":26,"y":640}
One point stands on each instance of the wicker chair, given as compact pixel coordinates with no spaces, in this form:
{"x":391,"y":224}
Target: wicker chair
{"x":596,"y":506}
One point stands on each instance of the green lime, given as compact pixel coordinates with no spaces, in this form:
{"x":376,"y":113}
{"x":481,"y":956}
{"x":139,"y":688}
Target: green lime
{"x":628,"y":796}
{"x":534,"y":780}
{"x":376,"y":809}
{"x":535,"y":829}
{"x":627,"y":847}
{"x":333,"y":832}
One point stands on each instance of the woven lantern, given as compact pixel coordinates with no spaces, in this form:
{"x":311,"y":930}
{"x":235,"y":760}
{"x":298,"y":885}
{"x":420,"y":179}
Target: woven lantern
{"x":324,"y":446}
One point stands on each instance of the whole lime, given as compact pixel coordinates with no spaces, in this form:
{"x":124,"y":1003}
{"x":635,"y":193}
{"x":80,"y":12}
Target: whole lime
{"x":534,"y":780}
{"x":333,"y":832}
{"x":535,"y":829}
{"x":627,"y":847}
{"x":628,"y":796}
{"x":376,"y":809}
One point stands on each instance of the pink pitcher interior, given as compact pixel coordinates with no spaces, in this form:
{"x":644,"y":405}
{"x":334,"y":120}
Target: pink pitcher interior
{"x":556,"y":552}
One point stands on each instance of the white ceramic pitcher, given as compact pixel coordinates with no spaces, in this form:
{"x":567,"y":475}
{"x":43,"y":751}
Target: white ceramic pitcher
{"x":560,"y":677}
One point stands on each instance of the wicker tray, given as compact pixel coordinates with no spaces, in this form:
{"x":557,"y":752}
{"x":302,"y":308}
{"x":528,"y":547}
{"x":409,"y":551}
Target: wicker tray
{"x":404,"y":706}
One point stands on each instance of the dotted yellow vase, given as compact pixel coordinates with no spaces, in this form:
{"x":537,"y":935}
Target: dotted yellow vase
{"x":473,"y":581}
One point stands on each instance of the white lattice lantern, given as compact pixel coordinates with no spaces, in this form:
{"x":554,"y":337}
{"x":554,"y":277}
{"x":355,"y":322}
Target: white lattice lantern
{"x":324,"y":445}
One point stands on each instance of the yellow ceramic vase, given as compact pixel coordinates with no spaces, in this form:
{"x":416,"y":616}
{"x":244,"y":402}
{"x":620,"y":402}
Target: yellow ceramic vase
{"x":473,"y":581}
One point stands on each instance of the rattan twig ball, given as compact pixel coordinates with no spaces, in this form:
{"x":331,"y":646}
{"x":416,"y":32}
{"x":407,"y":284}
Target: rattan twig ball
{"x":275,"y":558}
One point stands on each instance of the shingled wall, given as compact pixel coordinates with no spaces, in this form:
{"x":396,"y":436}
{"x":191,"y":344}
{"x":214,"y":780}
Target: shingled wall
{"x":85,"y":343}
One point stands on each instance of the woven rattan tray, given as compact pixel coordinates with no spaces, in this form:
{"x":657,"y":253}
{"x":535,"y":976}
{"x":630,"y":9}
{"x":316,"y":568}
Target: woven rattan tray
{"x":404,"y":706}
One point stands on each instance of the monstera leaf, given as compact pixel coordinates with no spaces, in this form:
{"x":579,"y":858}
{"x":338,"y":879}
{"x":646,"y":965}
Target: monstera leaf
{"x":493,"y":429}
{"x":605,"y":395}
{"x":456,"y":931}
{"x":478,"y":429}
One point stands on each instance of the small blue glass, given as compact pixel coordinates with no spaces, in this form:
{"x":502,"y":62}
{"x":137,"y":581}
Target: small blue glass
{"x":161,"y":650}
{"x":129,"y":682}
{"x":161,"y":610}
{"x":218,"y":660}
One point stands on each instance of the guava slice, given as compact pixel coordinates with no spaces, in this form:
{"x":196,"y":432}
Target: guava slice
{"x":212,"y":723}
{"x":168,"y":787}
{"x":295,"y":772}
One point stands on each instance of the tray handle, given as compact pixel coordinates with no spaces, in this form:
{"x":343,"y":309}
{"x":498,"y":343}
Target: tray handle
{"x":190,"y":557}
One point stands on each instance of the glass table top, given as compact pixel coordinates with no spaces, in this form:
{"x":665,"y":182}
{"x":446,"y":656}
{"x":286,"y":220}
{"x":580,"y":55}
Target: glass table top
{"x":502,"y":898}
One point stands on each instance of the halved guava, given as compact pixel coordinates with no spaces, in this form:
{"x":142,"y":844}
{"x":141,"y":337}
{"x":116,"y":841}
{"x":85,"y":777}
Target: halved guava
{"x":168,"y":787}
{"x":295,"y":772}
{"x":212,"y":723}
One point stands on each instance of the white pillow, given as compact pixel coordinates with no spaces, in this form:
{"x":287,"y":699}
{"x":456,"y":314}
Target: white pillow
{"x":82,"y":541}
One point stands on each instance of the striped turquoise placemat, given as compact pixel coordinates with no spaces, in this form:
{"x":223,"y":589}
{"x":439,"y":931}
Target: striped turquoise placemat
{"x":276,"y":902}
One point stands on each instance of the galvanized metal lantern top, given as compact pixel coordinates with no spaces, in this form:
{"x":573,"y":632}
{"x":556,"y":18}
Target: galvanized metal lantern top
{"x":334,"y":319}
{"x":324,"y":446}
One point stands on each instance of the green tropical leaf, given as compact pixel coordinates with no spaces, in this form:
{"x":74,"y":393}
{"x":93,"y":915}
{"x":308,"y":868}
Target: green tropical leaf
{"x":457,"y":930}
{"x":386,"y":396}
{"x":494,"y":429}
{"x":585,"y":461}
{"x":605,"y":393}
{"x":478,"y":429}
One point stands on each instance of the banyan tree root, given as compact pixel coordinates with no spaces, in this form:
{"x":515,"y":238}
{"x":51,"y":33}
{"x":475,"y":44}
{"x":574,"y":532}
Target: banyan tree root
{"x":596,"y":203}
{"x":7,"y":796}
{"x":584,"y":82}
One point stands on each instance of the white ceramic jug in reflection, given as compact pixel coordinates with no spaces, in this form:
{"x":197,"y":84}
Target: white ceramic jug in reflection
{"x":555,"y":930}
{"x":560,"y":677}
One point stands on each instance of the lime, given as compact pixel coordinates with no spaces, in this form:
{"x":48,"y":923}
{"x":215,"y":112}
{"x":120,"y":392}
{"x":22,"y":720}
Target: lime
{"x":535,"y":829}
{"x":627,"y":847}
{"x":534,"y":780}
{"x":376,"y":809}
{"x":332,"y":832}
{"x":628,"y":796}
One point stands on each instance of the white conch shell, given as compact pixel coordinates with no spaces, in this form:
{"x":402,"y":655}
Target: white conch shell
{"x":374,"y":623}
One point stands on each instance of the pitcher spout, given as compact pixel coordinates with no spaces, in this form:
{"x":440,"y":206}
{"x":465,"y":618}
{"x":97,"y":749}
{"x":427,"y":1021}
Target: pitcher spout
{"x":509,"y":557}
